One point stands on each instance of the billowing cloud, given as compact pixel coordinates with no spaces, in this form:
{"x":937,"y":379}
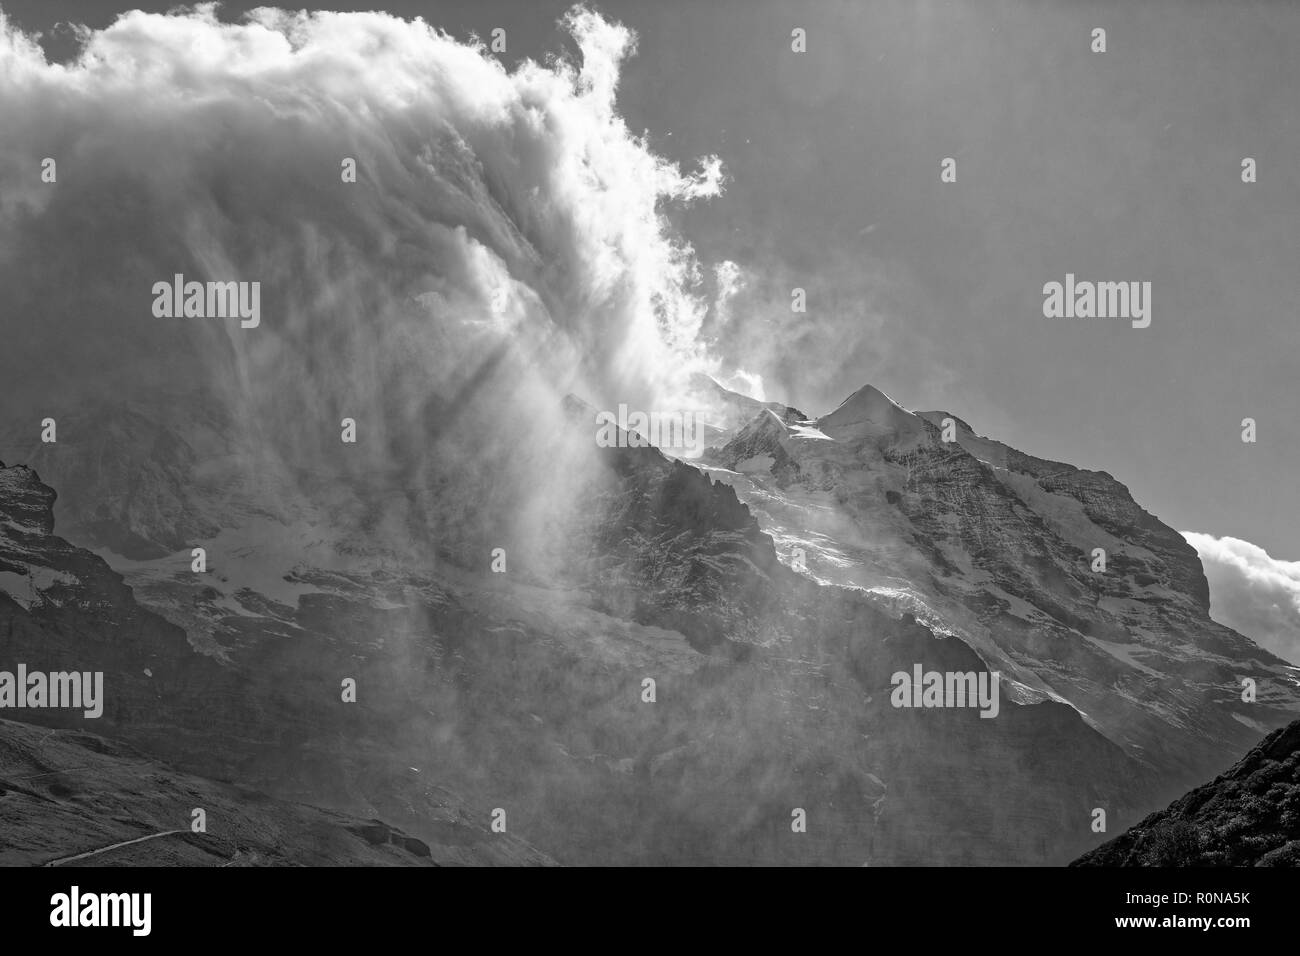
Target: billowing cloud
{"x":1252,"y":592}
{"x":489,"y":205}
{"x":505,"y":242}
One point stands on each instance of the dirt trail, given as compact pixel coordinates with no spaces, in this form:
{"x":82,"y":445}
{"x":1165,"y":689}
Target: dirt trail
{"x":112,"y":846}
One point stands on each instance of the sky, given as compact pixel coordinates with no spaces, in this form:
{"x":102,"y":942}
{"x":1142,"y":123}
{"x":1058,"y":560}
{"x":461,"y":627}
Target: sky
{"x":1114,"y":166}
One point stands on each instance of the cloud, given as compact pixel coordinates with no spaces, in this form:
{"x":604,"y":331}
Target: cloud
{"x":1251,"y":592}
{"x":859,"y":324}
{"x":505,"y":242}
{"x":490,"y":206}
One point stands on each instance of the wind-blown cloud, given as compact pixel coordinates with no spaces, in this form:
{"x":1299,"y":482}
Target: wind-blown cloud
{"x":512,"y":205}
{"x":505,"y":243}
{"x":857,"y":325}
{"x":1252,"y":592}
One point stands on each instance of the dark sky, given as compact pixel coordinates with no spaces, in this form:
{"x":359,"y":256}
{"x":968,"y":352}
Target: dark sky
{"x":1116,"y":166}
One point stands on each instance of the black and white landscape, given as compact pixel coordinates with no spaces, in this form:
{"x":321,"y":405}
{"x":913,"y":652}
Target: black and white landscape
{"x":717,"y":434}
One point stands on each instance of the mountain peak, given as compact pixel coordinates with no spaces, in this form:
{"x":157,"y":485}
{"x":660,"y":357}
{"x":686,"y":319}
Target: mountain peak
{"x":870,"y":413}
{"x":731,"y":410}
{"x":24,"y":501}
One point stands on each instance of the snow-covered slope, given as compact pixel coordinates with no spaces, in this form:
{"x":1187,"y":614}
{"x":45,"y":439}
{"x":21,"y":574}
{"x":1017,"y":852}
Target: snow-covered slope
{"x":981,"y":541}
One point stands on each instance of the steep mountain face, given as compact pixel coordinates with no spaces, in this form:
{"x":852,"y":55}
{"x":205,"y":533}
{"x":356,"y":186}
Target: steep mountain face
{"x":525,"y":691}
{"x":795,"y":711}
{"x":997,"y":548}
{"x":249,"y":715}
{"x":626,"y":664}
{"x":1248,"y":816}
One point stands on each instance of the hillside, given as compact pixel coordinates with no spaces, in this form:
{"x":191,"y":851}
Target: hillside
{"x":1249,"y":816}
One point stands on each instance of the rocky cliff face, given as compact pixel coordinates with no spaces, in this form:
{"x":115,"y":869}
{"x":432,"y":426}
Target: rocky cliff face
{"x":997,"y":548}
{"x":1248,"y":816}
{"x":799,"y":699}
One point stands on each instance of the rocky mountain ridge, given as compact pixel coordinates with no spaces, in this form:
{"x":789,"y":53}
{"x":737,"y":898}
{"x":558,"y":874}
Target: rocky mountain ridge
{"x":997,"y":547}
{"x":523,"y":691}
{"x":523,"y":687}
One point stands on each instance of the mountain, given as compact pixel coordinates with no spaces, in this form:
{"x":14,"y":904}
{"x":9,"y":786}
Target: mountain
{"x":211,"y":730}
{"x":728,"y":411}
{"x":996,"y":548}
{"x":523,"y":690}
{"x":1248,"y":816}
{"x":612,"y":647}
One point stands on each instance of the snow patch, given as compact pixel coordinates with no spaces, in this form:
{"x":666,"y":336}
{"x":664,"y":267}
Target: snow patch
{"x":27,"y":589}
